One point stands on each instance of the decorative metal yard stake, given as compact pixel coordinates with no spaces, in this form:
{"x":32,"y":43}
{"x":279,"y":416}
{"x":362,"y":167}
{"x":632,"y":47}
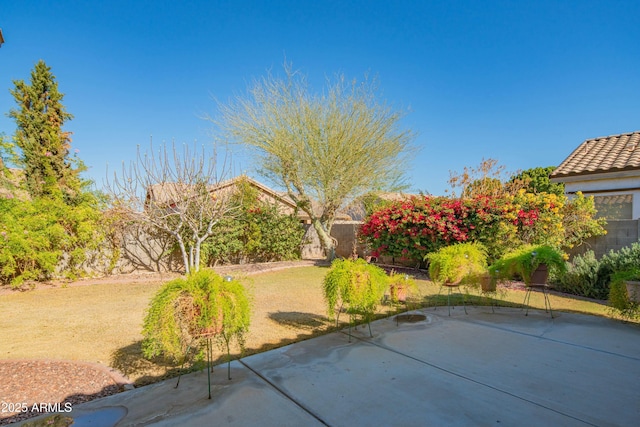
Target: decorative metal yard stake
{"x":186,"y":354}
{"x":209,"y":352}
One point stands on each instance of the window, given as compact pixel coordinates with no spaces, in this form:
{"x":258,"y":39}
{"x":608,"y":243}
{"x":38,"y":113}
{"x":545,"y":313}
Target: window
{"x":614,"y":207}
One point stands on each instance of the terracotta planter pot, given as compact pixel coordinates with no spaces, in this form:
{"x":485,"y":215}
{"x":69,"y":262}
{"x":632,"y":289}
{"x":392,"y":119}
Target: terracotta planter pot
{"x":398,"y":293}
{"x":540,"y":275}
{"x":487,"y":284}
{"x":633,"y":290}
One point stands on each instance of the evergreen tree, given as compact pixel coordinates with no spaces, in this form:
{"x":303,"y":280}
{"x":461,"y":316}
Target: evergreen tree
{"x":43,"y":144}
{"x":536,"y":180}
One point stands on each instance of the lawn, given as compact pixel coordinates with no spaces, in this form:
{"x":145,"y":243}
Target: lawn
{"x":102,"y":322}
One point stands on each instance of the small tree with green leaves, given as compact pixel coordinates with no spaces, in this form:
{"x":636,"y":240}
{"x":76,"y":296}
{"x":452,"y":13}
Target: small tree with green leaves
{"x":325,"y":149}
{"x":536,"y":180}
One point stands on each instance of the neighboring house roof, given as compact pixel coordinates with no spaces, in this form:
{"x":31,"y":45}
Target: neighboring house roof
{"x":615,"y":153}
{"x":395,"y":197}
{"x":167,"y":193}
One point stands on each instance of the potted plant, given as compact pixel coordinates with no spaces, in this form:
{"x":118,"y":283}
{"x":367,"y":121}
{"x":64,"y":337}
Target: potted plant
{"x":530,"y":263}
{"x":624,"y":292}
{"x":456,"y":265}
{"x":632,"y":283}
{"x":355,"y":285}
{"x":462,"y":263}
{"x":400,"y":287}
{"x":488,"y":283}
{"x":189,"y":313}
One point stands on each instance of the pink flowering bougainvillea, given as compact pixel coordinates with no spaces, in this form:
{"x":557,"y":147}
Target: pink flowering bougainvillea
{"x":420,"y":225}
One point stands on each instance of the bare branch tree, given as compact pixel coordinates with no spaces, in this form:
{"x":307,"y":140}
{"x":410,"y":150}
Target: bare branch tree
{"x":327,"y":149}
{"x":179,"y":193}
{"x":487,"y":179}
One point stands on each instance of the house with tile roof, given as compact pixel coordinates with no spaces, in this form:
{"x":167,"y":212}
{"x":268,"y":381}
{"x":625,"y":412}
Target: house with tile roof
{"x":168,"y":194}
{"x":607,"y":168}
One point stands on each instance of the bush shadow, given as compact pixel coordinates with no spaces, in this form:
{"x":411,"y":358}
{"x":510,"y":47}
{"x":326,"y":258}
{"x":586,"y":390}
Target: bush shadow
{"x":300,"y":320}
{"x":130,"y":361}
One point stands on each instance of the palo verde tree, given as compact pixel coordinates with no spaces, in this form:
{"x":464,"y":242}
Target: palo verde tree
{"x":178,"y":193}
{"x":43,"y":144}
{"x":326,"y":149}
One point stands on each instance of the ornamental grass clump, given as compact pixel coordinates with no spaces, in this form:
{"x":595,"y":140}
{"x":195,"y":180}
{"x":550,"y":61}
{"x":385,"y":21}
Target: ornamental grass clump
{"x":462,"y":263}
{"x":355,"y":285}
{"x":186,"y":312}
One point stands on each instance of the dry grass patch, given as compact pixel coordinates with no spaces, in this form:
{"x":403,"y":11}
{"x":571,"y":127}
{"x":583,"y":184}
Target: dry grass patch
{"x":103,"y":322}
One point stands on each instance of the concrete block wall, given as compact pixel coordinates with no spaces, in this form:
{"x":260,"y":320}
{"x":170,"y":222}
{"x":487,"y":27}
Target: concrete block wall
{"x":345,"y":232}
{"x":620,"y":233}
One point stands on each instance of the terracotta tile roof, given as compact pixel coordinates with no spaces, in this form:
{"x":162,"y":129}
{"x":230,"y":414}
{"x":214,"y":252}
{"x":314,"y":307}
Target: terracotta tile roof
{"x":604,"y":154}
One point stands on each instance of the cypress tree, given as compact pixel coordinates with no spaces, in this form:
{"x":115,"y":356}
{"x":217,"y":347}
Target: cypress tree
{"x":44,"y":145}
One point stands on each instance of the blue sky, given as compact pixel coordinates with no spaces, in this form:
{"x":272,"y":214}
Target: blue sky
{"x":522,"y":82}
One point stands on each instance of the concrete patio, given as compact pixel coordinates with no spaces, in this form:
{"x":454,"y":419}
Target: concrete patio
{"x":480,"y":369}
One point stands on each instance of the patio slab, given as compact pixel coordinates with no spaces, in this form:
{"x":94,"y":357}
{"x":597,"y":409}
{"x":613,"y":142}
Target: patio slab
{"x":483,"y":368}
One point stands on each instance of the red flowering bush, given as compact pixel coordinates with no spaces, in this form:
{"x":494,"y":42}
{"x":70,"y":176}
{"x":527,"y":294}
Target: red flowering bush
{"x":421,"y":225}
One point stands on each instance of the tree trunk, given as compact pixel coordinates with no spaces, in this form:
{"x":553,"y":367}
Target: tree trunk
{"x":198,"y":251}
{"x":185,"y":256}
{"x":326,"y":241}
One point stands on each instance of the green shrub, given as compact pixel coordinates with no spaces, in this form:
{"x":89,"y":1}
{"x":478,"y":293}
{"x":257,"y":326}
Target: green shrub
{"x":627,"y":258}
{"x":280,"y":236}
{"x":224,"y":246}
{"x":38,"y":236}
{"x":581,"y":277}
{"x":589,"y":277}
{"x":460,"y":263}
{"x":259,"y":234}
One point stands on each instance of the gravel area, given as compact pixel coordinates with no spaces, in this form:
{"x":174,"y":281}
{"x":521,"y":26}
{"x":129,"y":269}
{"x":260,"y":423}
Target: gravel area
{"x":31,"y":387}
